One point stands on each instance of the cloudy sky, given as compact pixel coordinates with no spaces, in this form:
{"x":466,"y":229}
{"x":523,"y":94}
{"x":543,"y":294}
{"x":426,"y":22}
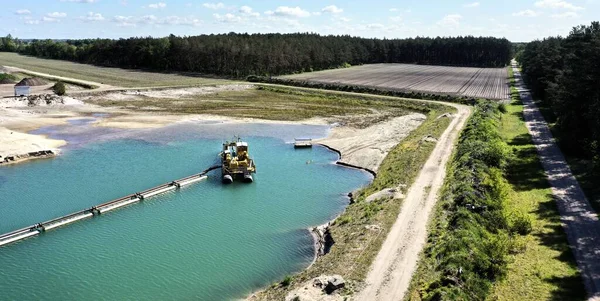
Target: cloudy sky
{"x":517,"y":20}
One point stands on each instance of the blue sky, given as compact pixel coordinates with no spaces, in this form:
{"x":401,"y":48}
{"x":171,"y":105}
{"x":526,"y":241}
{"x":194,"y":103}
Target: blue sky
{"x":517,"y":20}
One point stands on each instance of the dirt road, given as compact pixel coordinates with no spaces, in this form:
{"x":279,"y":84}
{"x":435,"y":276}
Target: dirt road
{"x":393,"y":267}
{"x":577,"y":216}
{"x":54,"y":77}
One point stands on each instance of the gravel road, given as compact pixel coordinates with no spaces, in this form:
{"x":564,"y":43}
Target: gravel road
{"x":577,"y":216}
{"x":393,"y":267}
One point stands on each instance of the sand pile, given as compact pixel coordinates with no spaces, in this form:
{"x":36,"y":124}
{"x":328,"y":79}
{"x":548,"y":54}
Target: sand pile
{"x":34,"y":81}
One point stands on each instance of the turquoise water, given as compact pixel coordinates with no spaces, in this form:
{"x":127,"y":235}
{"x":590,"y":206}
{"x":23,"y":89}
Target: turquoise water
{"x":205,"y":242}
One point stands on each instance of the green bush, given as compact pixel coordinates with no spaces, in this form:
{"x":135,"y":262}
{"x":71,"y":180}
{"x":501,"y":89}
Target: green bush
{"x":59,"y":88}
{"x":286,"y":281}
{"x":521,"y":224}
{"x":8,"y":77}
{"x":469,"y":244}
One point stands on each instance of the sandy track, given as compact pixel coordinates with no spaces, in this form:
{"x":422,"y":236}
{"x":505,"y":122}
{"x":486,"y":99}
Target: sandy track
{"x":393,"y":267}
{"x":54,"y":77}
{"x":578,"y":218}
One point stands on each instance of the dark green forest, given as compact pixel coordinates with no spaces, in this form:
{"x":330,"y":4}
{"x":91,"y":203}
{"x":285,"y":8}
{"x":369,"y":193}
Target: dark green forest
{"x":565,"y":74}
{"x":240,"y":55}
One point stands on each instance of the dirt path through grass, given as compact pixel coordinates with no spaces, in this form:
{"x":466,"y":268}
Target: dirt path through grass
{"x":579,"y":220}
{"x":393,"y":267}
{"x":66,"y":79}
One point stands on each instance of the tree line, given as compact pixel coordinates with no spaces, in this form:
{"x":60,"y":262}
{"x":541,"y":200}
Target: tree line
{"x":240,"y":55}
{"x":565,"y":74}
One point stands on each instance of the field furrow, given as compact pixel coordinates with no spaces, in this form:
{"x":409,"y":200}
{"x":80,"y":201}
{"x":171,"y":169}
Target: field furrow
{"x":490,"y":83}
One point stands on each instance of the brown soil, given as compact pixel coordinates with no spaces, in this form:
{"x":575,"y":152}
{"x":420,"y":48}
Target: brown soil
{"x":5,"y":81}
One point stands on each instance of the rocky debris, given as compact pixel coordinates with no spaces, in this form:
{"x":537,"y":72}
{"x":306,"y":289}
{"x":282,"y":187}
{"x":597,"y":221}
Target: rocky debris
{"x":322,"y":288}
{"x":445,"y":115}
{"x":14,"y":158}
{"x":393,"y":193}
{"x":373,"y":227}
{"x":429,"y":138}
{"x":45,"y":99}
{"x":323,"y":239}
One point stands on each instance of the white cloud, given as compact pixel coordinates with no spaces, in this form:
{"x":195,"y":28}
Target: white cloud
{"x":526,"y":13}
{"x":393,"y":9}
{"x":214,"y":5}
{"x":157,"y":5}
{"x":153,"y":20}
{"x":375,"y":26}
{"x":450,"y":20}
{"x":344,"y":19}
{"x":557,"y":4}
{"x":286,"y":11}
{"x":396,"y":19}
{"x":332,"y":9}
{"x":124,"y":21}
{"x":92,"y":17}
{"x":80,"y":1}
{"x":56,"y":15}
{"x":471,"y":5}
{"x":565,"y":15}
{"x":175,"y":20}
{"x":148,"y":19}
{"x":248,"y":11}
{"x":49,"y":19}
{"x":228,"y":18}
{"x":23,"y":12}
{"x":32,"y":22}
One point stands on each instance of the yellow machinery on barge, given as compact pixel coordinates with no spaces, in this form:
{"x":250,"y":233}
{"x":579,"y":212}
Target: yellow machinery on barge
{"x":236,"y":162}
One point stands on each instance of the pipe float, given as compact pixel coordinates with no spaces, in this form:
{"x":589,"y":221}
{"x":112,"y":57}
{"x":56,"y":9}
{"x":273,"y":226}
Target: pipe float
{"x":36,"y":229}
{"x":117,"y":205}
{"x":159,"y":191}
{"x":50,"y":226}
{"x":19,"y":237}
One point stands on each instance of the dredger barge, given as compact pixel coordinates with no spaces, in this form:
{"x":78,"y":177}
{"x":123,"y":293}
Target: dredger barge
{"x":236,"y":163}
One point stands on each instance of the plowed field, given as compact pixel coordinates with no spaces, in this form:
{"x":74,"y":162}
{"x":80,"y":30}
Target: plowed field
{"x":491,"y":83}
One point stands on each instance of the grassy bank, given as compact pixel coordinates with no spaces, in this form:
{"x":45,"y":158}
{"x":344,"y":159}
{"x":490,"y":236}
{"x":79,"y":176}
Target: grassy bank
{"x":541,"y":266}
{"x":360,"y":231}
{"x":471,"y":232}
{"x":110,"y":76}
{"x":496,"y":233}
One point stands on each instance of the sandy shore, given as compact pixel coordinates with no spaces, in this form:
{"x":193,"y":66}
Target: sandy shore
{"x":364,"y":148}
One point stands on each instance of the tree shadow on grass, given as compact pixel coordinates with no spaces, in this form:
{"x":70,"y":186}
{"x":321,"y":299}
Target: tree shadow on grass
{"x":525,"y":171}
{"x":553,"y":236}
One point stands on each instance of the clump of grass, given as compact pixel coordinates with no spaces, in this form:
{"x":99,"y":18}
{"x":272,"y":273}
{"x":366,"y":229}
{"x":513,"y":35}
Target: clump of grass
{"x":286,"y":281}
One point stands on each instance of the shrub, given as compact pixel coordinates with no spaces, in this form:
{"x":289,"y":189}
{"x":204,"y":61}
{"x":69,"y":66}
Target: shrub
{"x":286,"y":281}
{"x":468,"y":247}
{"x":344,"y":219}
{"x":59,"y":88}
{"x":502,"y":108}
{"x":521,"y":223}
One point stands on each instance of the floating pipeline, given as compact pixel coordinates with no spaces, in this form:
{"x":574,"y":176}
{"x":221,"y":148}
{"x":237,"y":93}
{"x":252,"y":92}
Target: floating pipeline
{"x":33,"y":230}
